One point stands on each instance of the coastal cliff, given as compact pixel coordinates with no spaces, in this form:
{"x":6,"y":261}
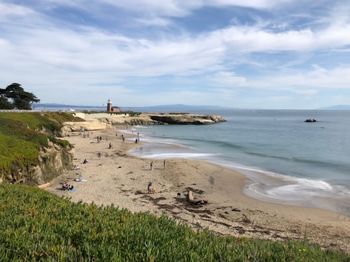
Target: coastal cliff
{"x":99,"y":121}
{"x":51,"y":162}
{"x":30,"y":152}
{"x":186,"y":119}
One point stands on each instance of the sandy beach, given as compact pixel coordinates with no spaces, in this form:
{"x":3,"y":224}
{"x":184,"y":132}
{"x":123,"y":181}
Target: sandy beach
{"x":114,"y":177}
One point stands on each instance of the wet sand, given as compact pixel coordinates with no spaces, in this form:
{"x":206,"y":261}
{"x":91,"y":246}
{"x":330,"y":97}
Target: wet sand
{"x":120,"y":179}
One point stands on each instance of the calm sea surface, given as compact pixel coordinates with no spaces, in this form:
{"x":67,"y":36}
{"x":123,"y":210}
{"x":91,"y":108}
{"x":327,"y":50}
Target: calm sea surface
{"x":285,"y":159}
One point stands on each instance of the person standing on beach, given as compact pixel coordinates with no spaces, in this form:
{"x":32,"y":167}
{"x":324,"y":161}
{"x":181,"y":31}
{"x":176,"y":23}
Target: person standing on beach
{"x":123,"y":138}
{"x":151,"y":165}
{"x":164,"y":164}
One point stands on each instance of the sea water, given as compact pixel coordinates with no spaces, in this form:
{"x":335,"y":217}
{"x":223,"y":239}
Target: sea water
{"x":285,"y":159}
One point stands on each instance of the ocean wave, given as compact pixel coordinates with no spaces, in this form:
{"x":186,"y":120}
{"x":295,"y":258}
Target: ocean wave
{"x":220,"y":143}
{"x":338,"y":166}
{"x":177,"y":155}
{"x":285,"y":185}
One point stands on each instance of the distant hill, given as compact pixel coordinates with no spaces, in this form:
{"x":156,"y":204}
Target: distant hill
{"x":337,"y":107}
{"x":175,"y":108}
{"x":158,"y":108}
{"x":53,"y":105}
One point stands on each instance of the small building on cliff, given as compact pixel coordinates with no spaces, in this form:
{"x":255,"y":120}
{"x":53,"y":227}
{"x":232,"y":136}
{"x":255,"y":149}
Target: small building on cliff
{"x":111,"y":108}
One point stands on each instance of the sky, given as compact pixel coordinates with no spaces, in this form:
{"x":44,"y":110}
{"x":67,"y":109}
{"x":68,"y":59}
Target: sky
{"x":244,"y":54}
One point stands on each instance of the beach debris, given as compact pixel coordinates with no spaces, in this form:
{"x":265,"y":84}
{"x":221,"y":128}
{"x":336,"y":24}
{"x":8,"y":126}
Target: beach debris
{"x":80,"y":179}
{"x":245,"y":219}
{"x":240,"y":230}
{"x":236,"y":209}
{"x":195,"y":190}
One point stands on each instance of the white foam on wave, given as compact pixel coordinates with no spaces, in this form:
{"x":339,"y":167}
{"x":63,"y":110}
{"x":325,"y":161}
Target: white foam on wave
{"x":263,"y":184}
{"x":275,"y":186}
{"x":176,"y":155}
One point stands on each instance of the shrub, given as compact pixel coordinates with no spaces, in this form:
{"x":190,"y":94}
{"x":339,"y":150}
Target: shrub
{"x":36,"y":225}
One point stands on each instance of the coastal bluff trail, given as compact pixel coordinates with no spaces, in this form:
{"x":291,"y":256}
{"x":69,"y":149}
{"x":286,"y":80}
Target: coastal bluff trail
{"x":111,"y":176}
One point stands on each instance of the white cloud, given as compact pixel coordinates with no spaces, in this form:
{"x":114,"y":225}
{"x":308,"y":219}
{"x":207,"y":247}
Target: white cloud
{"x":179,"y":8}
{"x":77,"y":59}
{"x":228,"y":79}
{"x":305,"y":83}
{"x":10,"y":10}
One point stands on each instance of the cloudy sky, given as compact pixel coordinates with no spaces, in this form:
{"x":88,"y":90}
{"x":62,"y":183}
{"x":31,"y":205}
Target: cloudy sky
{"x":247,"y":54}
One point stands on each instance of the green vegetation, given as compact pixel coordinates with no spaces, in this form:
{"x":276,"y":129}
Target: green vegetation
{"x":22,"y":135}
{"x":14,"y":96}
{"x":36,"y":225}
{"x":131,"y":113}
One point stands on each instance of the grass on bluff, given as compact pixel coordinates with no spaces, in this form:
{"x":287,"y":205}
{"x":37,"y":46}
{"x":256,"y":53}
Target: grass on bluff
{"x":21,"y":137}
{"x":36,"y":225}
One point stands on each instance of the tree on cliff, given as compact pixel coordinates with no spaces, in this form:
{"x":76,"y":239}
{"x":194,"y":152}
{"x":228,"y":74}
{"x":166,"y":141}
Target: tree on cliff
{"x":14,"y":96}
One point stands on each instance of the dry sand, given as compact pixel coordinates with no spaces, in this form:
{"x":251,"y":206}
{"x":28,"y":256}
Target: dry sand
{"x":119,"y":179}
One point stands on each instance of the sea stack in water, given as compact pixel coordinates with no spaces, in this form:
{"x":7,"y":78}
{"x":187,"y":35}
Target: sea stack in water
{"x":310,"y":120}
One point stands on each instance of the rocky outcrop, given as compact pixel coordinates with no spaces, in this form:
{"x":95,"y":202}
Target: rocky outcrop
{"x":52,"y":161}
{"x":103,"y":120}
{"x":187,"y":119}
{"x":310,"y":120}
{"x":89,"y":125}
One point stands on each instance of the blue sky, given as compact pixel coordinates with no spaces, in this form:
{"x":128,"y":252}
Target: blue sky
{"x":247,"y":54}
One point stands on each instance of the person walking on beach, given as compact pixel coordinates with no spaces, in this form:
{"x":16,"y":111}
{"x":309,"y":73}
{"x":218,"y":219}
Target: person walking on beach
{"x":164,"y":164}
{"x":123,"y":138}
{"x":110,"y":145}
{"x":150,"y":188}
{"x":151,"y":165}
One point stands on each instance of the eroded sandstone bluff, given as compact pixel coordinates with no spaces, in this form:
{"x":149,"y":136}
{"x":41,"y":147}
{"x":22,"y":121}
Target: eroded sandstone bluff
{"x":99,"y":121}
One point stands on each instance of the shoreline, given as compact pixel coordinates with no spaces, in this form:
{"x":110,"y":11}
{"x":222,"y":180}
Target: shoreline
{"x":261,"y":184}
{"x":120,"y":179}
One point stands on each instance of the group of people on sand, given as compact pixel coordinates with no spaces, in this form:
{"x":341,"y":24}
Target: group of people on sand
{"x":66,"y":186}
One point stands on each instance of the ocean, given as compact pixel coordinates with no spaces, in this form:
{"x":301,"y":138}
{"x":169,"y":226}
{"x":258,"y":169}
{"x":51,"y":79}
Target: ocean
{"x":284,"y":159}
